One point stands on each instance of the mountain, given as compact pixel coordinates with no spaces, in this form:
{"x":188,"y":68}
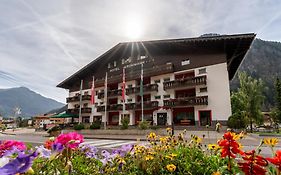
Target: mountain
{"x":263,"y":61}
{"x":30,"y":102}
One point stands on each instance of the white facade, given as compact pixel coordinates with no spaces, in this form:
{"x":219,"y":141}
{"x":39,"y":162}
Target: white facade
{"x":216,"y":88}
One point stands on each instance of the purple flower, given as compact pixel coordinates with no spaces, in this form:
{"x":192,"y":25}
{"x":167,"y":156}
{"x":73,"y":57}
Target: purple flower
{"x":12,"y":151}
{"x":43,"y":152}
{"x":90,"y":151}
{"x":57,"y":147}
{"x":19,"y":165}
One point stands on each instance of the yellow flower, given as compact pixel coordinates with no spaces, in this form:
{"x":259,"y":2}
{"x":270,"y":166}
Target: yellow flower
{"x":152,"y":135}
{"x":196,"y":139}
{"x":171,"y":167}
{"x":241,"y":135}
{"x":270,"y":141}
{"x":213,"y":147}
{"x":169,"y":129}
{"x":216,"y":173}
{"x":149,"y":157}
{"x":171,"y":156}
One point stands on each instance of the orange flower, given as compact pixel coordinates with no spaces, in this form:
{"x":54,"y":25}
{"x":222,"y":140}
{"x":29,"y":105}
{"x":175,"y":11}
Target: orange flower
{"x":48,"y":144}
{"x":229,"y":145}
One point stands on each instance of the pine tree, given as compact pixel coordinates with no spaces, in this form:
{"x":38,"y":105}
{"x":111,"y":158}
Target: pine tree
{"x":278,"y":98}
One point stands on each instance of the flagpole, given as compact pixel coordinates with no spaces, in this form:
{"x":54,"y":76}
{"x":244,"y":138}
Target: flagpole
{"x":105,"y":98}
{"x":123,"y":92}
{"x":141,"y":91}
{"x":80,"y":102}
{"x":92,"y":100}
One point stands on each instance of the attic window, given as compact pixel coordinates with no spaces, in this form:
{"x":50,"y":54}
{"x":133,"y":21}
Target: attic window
{"x":114,"y":63}
{"x":108,"y":66}
{"x":202,"y":71}
{"x":185,"y":62}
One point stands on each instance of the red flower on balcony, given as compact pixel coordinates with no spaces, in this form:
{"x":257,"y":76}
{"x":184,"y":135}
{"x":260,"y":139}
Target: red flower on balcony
{"x":276,"y":160}
{"x":229,"y":146}
{"x":253,"y":164}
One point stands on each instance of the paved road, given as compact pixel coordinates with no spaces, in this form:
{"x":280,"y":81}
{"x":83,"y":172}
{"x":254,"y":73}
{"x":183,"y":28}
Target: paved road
{"x":249,"y":143}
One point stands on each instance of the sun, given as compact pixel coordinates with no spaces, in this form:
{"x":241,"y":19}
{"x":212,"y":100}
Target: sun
{"x":133,"y":29}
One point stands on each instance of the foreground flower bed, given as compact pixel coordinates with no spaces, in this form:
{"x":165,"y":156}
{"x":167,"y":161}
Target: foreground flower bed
{"x":170,"y":154}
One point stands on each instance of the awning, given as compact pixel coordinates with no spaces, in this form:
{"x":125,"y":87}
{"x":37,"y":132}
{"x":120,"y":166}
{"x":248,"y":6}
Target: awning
{"x":65,"y":116}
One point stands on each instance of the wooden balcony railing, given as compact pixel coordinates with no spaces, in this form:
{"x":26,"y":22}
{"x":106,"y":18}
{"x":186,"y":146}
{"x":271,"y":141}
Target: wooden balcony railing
{"x":77,"y":98}
{"x":194,"y":81}
{"x":191,"y":101}
{"x":129,"y":106}
{"x":146,"y":88}
{"x":76,"y":110}
{"x":110,"y":93}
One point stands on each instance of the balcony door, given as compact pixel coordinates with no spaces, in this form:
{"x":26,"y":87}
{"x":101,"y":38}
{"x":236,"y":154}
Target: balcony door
{"x":161,"y":119}
{"x":205,"y":118}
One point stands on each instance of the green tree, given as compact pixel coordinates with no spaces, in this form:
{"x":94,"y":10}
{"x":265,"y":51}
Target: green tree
{"x":248,"y":100}
{"x":278,"y":99}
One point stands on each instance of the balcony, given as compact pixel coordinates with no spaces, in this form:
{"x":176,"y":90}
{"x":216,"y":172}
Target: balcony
{"x":194,"y":81}
{"x":77,"y":98}
{"x":146,"y":105}
{"x":110,"y":93}
{"x":184,"y":102}
{"x":146,"y":88}
{"x":76,"y":110}
{"x":129,"y":106}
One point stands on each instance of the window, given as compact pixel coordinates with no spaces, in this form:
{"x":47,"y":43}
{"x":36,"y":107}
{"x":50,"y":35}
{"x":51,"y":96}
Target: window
{"x":185,"y":62}
{"x":85,"y":104}
{"x":114,"y":63}
{"x":156,"y":81}
{"x":202,"y":71}
{"x":101,"y":103}
{"x":130,"y":85}
{"x":203,"y":89}
{"x":167,"y":96}
{"x":157,"y":97}
{"x":77,"y":94}
{"x":166,"y":79}
{"x":86,"y":93}
{"x":108,"y":66}
{"x":129,"y":100}
{"x":123,"y":60}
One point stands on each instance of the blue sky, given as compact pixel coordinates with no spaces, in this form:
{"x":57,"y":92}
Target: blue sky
{"x":43,"y":42}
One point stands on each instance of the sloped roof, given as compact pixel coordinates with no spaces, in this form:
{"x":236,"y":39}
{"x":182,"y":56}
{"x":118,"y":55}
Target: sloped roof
{"x":235,"y":47}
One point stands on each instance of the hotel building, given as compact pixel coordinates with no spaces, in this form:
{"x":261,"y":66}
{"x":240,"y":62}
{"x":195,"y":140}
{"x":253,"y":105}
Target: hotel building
{"x":185,"y":81}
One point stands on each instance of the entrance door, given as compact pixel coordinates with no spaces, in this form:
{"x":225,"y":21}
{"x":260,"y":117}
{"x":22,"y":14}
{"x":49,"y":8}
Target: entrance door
{"x":161,"y":119}
{"x":205,"y":118}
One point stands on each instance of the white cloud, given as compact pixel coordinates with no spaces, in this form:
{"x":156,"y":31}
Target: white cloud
{"x":44,"y":42}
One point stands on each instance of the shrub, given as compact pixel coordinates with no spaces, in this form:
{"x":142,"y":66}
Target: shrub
{"x":53,"y":129}
{"x":236,"y":122}
{"x":125,"y":123}
{"x":79,"y":127}
{"x":144,"y":125}
{"x":95,"y":125}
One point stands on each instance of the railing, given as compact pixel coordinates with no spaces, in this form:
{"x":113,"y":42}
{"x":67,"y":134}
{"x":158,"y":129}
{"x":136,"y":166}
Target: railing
{"x":129,"y":106}
{"x":76,"y":110}
{"x":191,"y":101}
{"x":146,"y":88}
{"x":77,"y":98}
{"x":193,"y":81}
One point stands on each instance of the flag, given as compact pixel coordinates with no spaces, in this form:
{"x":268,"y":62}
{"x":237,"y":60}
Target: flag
{"x":105,"y":87}
{"x":123,"y":86}
{"x":93,"y":92}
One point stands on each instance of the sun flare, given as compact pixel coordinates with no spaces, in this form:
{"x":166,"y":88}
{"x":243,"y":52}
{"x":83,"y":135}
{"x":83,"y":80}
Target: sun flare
{"x":133,"y":29}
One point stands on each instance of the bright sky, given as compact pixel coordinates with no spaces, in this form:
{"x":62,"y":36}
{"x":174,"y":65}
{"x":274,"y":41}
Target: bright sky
{"x":42,"y":42}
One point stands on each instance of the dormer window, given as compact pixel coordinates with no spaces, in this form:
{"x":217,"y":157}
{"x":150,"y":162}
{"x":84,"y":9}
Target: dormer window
{"x":108,"y":66}
{"x":185,"y":62}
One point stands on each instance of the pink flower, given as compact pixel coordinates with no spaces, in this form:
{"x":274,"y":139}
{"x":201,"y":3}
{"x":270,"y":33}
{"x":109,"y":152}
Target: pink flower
{"x":9,"y":144}
{"x":70,"y":140}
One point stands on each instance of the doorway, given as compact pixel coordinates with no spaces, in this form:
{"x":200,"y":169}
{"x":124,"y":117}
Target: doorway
{"x":205,"y":118}
{"x":161,"y":119}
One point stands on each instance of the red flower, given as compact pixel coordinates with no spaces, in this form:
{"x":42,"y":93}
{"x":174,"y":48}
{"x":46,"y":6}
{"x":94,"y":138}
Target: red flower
{"x":253,"y":164}
{"x":70,"y":140}
{"x":9,"y":144}
{"x":276,"y":160}
{"x":229,"y":146}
